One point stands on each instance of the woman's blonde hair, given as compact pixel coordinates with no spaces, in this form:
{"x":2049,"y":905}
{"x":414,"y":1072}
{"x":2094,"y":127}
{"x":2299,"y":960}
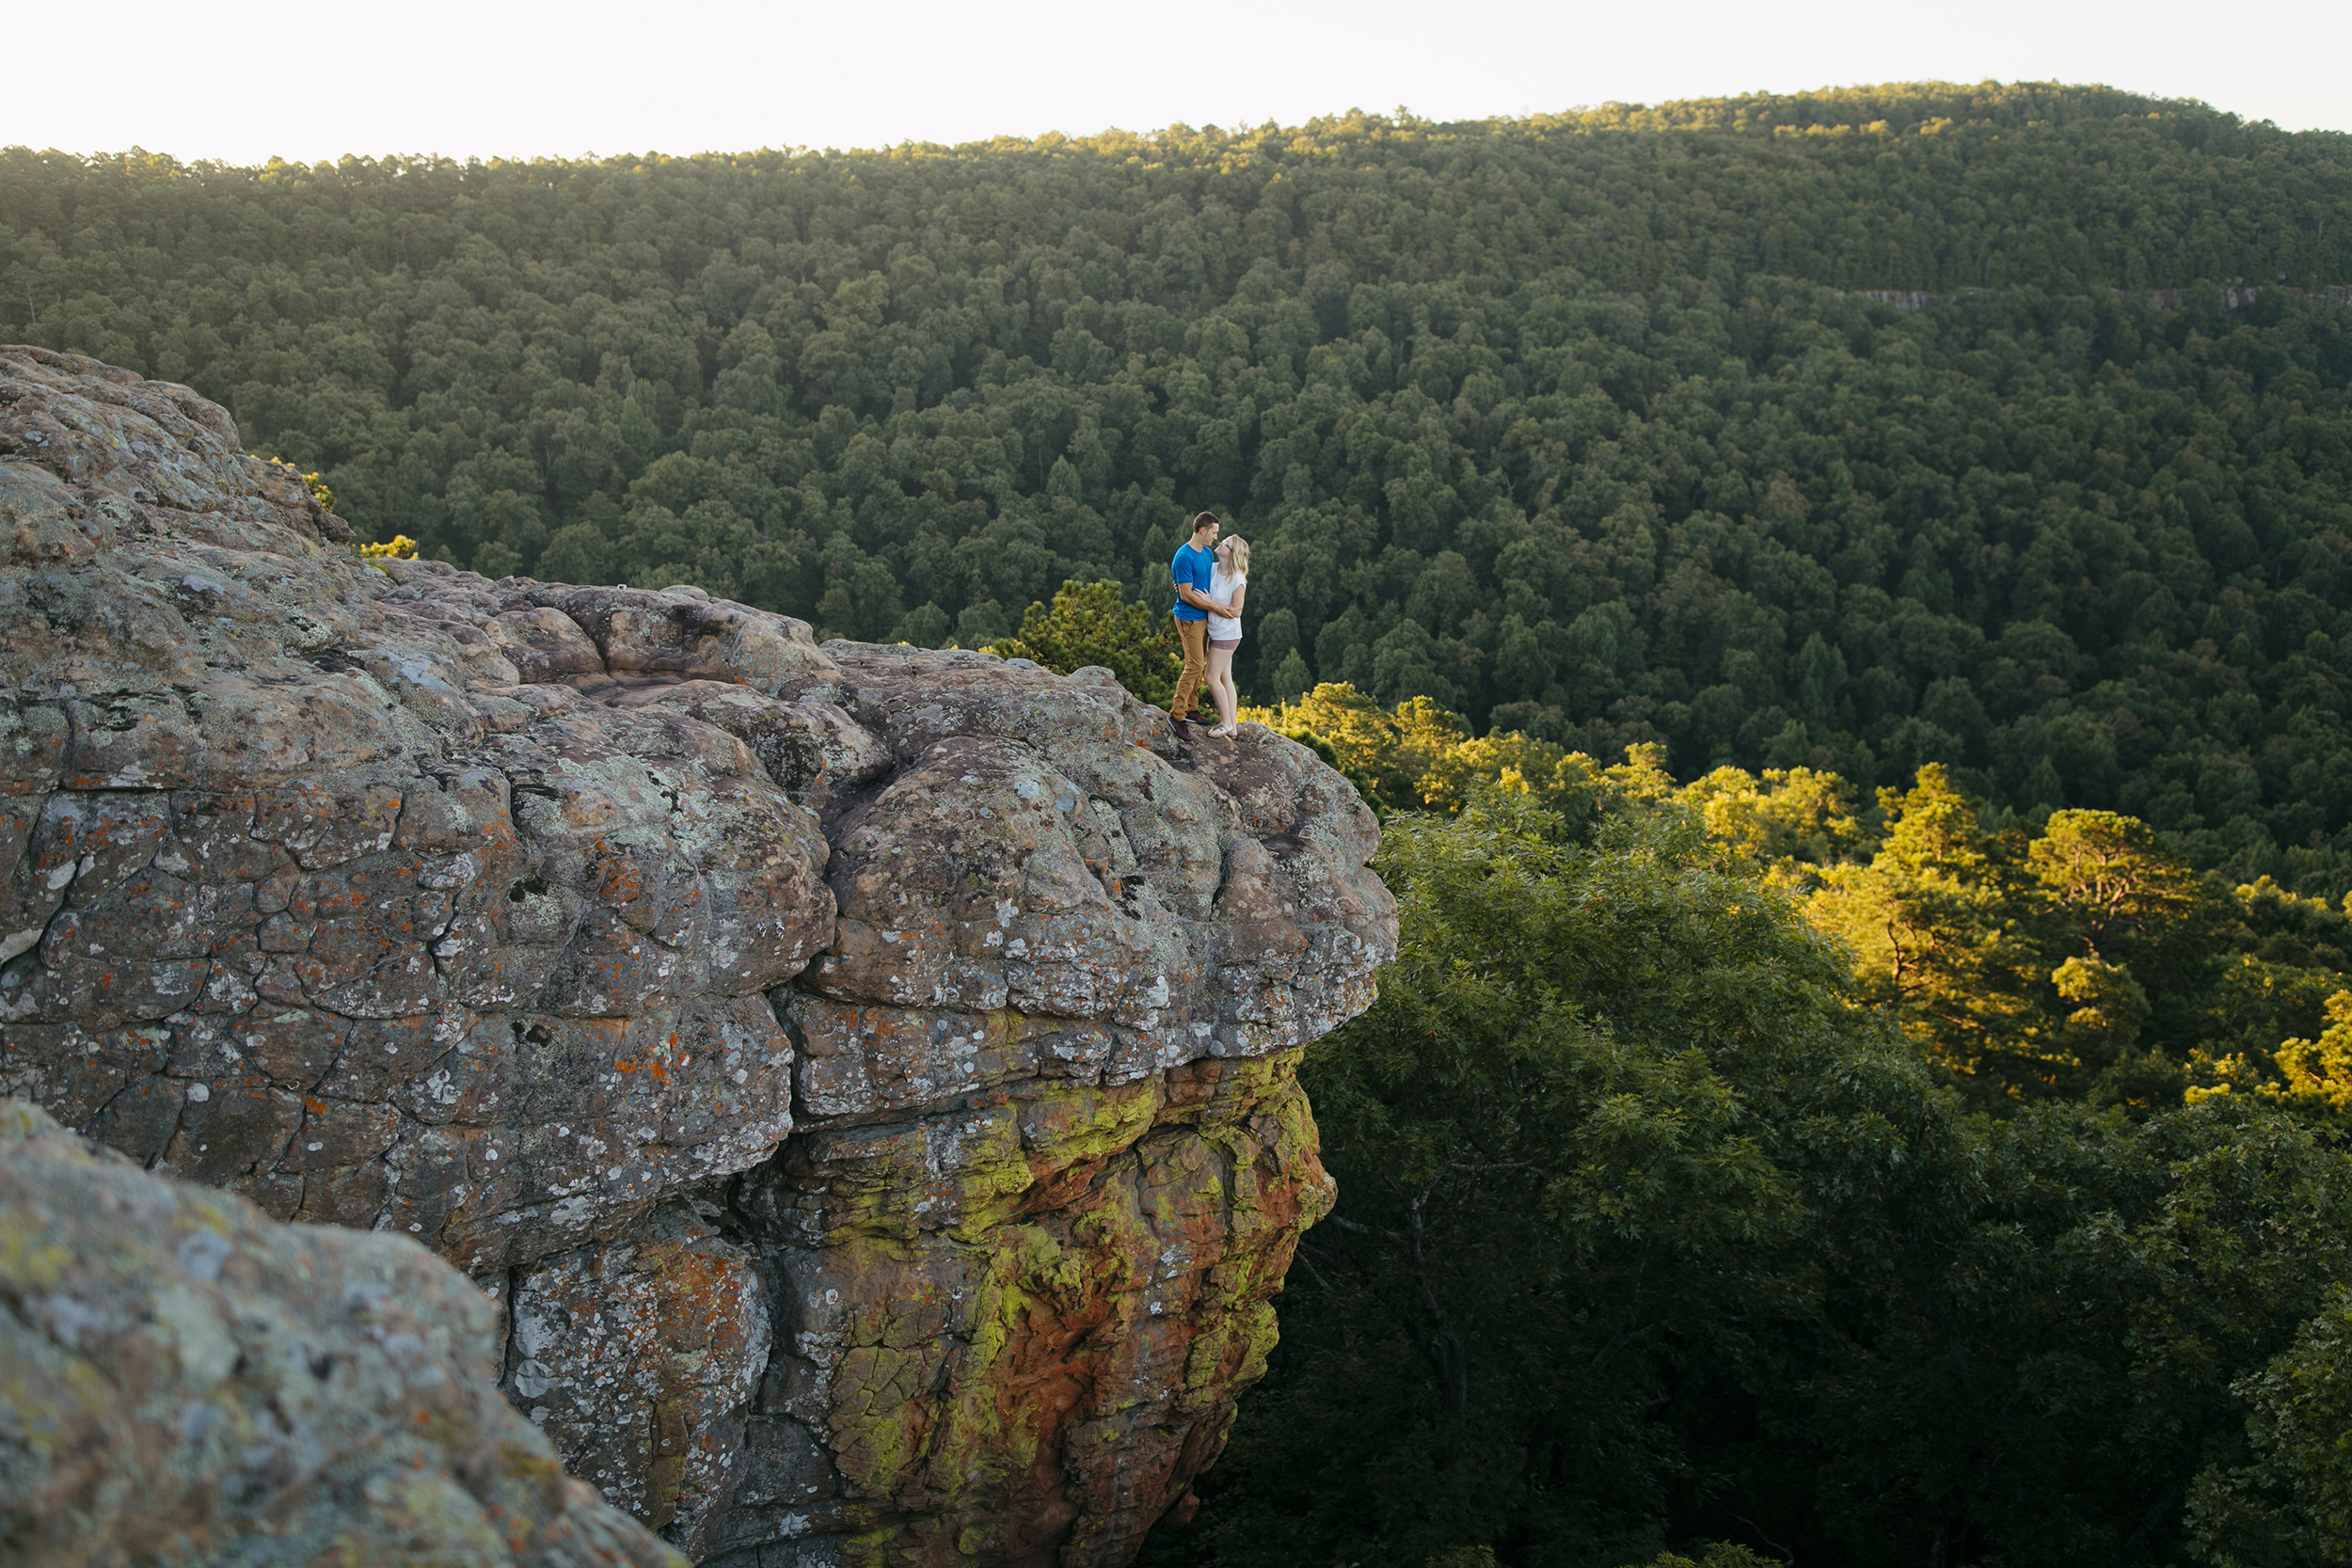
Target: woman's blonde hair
{"x":1238,"y":553}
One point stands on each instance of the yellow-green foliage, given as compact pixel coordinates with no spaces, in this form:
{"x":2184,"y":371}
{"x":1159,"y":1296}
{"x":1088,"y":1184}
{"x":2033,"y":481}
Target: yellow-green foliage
{"x":1419,"y":758}
{"x":1723,"y":1554}
{"x":1620,"y":1123}
{"x":399,"y":547}
{"x":316,"y":483}
{"x":1793,"y":821}
{"x":2071,"y":953}
{"x":2306,"y":1074}
{"x":2320,"y":1071}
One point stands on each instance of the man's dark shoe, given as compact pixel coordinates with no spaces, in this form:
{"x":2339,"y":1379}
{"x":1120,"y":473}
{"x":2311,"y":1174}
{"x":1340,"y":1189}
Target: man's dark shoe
{"x":1182,"y":728}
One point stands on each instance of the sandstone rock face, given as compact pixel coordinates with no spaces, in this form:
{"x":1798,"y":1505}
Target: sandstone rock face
{"x":190,"y":1381}
{"x":861,"y":1077}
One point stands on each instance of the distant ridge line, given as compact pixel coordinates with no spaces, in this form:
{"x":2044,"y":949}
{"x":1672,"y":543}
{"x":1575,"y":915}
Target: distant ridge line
{"x":1911,"y":301}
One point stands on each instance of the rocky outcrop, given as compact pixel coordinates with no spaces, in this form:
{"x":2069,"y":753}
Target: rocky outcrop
{"x":189,"y":1381}
{"x":861,"y":1077}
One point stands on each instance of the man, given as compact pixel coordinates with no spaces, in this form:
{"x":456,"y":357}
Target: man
{"x":1193,"y":569}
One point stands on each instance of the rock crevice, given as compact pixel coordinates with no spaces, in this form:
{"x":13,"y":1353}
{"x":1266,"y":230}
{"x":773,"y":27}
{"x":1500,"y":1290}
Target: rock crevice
{"x":861,"y":1076}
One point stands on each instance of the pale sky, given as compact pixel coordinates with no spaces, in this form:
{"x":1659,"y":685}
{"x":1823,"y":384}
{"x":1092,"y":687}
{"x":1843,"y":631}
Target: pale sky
{"x":243,"y":80}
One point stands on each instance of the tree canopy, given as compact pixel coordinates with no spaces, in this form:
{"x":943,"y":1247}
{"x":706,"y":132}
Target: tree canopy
{"x":2071,"y":954}
{"x":1653,"y":1232}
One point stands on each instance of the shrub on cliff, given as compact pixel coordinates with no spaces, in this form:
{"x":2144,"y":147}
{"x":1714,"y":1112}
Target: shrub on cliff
{"x":1092,"y":623}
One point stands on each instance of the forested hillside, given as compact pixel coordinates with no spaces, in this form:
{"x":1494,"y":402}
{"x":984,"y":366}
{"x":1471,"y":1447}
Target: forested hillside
{"x":1649,"y":1233}
{"x":1580,"y":424}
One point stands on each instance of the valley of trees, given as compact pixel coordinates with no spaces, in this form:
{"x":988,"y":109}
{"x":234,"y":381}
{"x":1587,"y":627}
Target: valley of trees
{"x":1653,"y":1227}
{"x":1837,"y":1179}
{"x":1897,"y":1113}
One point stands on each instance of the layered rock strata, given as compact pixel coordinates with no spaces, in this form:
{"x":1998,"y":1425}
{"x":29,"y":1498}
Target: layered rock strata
{"x":861,"y":1078}
{"x":189,"y":1381}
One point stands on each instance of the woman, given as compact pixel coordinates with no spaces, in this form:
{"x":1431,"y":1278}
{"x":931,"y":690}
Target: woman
{"x":1227,"y":584}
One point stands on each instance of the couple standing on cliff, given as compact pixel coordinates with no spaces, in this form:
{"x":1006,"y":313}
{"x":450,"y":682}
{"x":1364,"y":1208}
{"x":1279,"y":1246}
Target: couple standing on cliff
{"x":1210,"y":579}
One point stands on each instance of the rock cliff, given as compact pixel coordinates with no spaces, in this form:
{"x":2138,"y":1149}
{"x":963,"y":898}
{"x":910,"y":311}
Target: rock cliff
{"x":861,"y":1078}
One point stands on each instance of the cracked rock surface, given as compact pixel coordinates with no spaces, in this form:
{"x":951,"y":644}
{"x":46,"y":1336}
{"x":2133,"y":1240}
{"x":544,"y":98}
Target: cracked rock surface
{"x":861,"y":1077}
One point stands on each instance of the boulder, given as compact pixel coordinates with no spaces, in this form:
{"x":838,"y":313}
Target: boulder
{"x":863,"y":1076}
{"x":191,"y":1381}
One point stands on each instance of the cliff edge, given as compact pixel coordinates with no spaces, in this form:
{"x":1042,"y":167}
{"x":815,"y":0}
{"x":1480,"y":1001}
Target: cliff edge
{"x":861,"y":1078}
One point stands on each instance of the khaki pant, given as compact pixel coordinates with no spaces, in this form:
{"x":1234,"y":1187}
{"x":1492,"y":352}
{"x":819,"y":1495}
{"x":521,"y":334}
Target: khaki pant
{"x":1195,"y":636}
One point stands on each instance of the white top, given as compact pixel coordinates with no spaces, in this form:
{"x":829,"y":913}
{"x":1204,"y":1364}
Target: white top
{"x":1224,"y":627}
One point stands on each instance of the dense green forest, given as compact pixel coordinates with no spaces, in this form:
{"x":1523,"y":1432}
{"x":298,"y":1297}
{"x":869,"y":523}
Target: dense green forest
{"x":1838,"y":1180}
{"x":1584,"y":425}
{"x":1652,"y":1233}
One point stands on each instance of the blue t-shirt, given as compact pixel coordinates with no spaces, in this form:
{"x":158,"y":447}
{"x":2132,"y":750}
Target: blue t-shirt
{"x":1197,"y":567}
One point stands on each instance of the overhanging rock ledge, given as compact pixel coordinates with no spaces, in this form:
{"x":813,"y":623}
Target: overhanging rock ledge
{"x":861,"y":1077}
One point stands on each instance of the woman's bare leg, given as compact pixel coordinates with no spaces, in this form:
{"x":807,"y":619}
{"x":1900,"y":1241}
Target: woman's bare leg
{"x":1221,"y":688}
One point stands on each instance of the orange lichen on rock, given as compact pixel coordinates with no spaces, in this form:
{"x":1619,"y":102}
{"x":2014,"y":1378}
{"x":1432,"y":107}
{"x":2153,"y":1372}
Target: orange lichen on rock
{"x":1019,"y":1330}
